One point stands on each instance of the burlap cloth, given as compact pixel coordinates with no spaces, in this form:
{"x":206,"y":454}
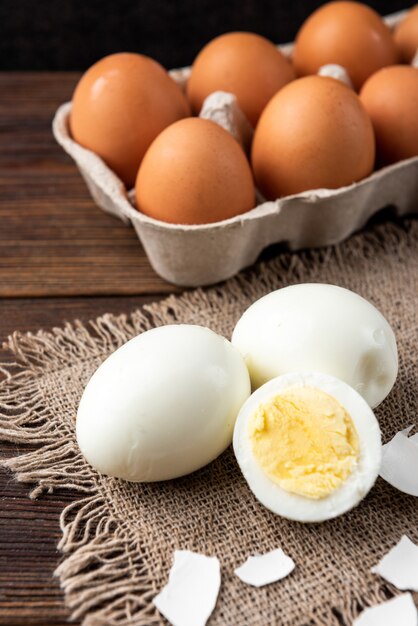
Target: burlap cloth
{"x":118,"y":538}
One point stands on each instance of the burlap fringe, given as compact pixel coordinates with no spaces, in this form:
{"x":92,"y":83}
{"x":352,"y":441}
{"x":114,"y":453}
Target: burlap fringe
{"x":108,"y":594}
{"x":118,"y":591}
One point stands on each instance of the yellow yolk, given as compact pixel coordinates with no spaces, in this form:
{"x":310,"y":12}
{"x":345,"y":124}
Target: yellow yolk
{"x":305,"y":441}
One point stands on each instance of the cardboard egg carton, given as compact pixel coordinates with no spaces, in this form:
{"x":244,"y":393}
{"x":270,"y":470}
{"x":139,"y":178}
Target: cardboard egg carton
{"x":208,"y":253}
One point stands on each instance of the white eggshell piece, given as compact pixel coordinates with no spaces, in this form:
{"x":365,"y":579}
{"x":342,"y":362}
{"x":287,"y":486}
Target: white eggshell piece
{"x":400,"y":611}
{"x":193,"y":585}
{"x":263,"y":569}
{"x":319,"y":328}
{"x":357,"y":485}
{"x":400,"y":565}
{"x":162,"y":405}
{"x":400,"y":462}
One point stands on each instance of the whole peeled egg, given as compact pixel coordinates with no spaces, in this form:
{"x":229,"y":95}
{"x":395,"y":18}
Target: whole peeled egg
{"x":313,"y":327}
{"x":390,"y":97}
{"x":350,"y":34}
{"x":313,"y":134}
{"x":406,"y":35}
{"x":308,"y":445}
{"x":163,"y":405}
{"x":120,"y":105}
{"x":194,"y":172}
{"x":245,"y":64}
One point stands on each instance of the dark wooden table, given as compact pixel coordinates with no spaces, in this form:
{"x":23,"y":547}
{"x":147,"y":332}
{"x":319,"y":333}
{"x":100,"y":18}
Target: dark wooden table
{"x":60,"y":258}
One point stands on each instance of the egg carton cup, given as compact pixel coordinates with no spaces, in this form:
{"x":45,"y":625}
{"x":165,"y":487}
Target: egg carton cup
{"x":208,"y":253}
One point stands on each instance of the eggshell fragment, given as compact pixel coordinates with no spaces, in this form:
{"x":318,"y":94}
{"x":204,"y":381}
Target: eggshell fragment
{"x":400,"y":462}
{"x":400,"y":611}
{"x":400,"y":565}
{"x":263,"y":569}
{"x":193,"y":585}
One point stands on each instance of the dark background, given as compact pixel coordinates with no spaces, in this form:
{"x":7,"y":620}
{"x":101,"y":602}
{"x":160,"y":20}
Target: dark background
{"x":73,"y":34}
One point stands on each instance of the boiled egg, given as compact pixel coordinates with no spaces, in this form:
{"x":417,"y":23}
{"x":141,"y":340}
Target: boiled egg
{"x":322,"y":328}
{"x":308,"y":445}
{"x":163,"y":405}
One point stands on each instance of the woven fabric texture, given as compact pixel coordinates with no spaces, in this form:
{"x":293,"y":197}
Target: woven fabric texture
{"x":118,"y":538}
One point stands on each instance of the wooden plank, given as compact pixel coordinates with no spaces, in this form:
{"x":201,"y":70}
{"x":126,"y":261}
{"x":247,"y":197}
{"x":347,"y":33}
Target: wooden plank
{"x":32,"y":314}
{"x":53,"y":240}
{"x":29,"y":529}
{"x":29,"y":533}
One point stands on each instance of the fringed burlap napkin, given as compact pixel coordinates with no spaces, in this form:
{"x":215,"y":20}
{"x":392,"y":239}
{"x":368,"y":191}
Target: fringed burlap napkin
{"x":118,"y":538}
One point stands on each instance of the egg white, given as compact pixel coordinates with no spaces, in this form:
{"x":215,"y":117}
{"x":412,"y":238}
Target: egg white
{"x":313,"y":327}
{"x":162,"y":405}
{"x":355,"y":487}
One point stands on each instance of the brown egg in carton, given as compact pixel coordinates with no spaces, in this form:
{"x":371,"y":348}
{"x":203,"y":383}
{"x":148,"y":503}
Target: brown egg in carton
{"x":205,"y":254}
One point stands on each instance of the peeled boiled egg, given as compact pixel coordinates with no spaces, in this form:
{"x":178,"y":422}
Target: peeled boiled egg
{"x":120,"y":105}
{"x":308,"y":445}
{"x":162,"y":405}
{"x":245,"y":64}
{"x":194,"y":172}
{"x":322,"y":328}
{"x":313,"y":134}
{"x":406,"y":35}
{"x":390,"y":97}
{"x":350,"y":34}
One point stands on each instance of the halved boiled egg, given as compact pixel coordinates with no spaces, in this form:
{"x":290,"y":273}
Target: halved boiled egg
{"x":308,"y":445}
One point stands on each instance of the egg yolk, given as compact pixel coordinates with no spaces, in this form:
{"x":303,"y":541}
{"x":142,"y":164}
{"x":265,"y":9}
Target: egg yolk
{"x":305,"y":441}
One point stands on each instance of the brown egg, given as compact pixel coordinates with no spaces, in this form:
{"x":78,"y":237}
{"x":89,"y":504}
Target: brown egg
{"x":314,"y":133}
{"x":391,"y":99}
{"x":194,"y":173}
{"x":406,"y":35}
{"x":120,"y":105}
{"x":245,"y":64}
{"x":349,"y":34}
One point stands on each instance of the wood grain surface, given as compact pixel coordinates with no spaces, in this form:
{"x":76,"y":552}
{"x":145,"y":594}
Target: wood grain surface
{"x":60,"y":258}
{"x":29,"y":529}
{"x":53,"y":240}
